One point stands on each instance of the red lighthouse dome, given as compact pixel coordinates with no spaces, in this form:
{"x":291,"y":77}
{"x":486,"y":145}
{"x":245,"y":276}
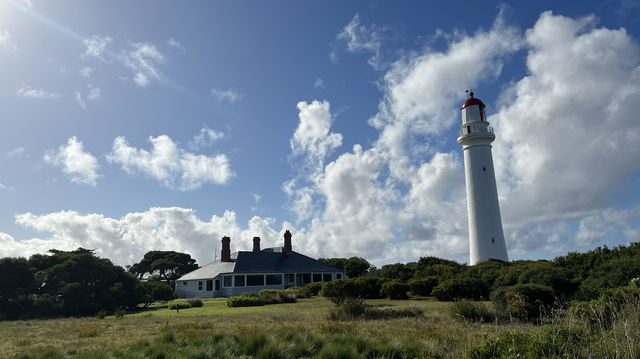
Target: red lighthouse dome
{"x":472,"y":101}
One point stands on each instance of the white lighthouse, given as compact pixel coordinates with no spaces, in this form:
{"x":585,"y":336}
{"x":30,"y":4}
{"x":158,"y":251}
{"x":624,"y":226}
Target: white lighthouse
{"x":486,"y":239}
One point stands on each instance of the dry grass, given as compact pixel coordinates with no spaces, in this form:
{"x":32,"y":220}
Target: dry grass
{"x":435,"y":331}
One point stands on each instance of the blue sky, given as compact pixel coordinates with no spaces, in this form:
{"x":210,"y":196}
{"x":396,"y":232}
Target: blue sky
{"x":134,"y":126}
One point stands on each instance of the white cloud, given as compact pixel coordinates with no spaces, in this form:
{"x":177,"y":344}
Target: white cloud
{"x":564,"y":142}
{"x":256,"y":199}
{"x":229,"y":95}
{"x":29,"y":92}
{"x":567,"y":134}
{"x":125,"y":240}
{"x":96,"y":46}
{"x":319,"y":83}
{"x":86,"y":71}
{"x":81,"y":166}
{"x":18,"y":152}
{"x":6,"y":43}
{"x":172,"y":166}
{"x":313,"y":138}
{"x":175,"y":44}
{"x":4,"y":187}
{"x":93,"y":94}
{"x":205,"y":138}
{"x":143,"y":59}
{"x":362,"y":38}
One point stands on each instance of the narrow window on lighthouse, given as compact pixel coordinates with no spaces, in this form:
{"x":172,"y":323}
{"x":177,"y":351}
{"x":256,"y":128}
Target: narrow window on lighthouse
{"x":493,"y":240}
{"x":484,"y":168}
{"x":468,"y":129}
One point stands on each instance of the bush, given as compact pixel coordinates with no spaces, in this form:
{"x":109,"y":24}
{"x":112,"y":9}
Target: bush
{"x":339,"y":290}
{"x":423,"y":286}
{"x":195,"y":302}
{"x":179,"y":304}
{"x":522,"y":301}
{"x":394,"y":289}
{"x":472,"y":311}
{"x":244,"y":301}
{"x":287,"y":296}
{"x":461,"y":288}
{"x":312,"y":289}
{"x":369,"y":288}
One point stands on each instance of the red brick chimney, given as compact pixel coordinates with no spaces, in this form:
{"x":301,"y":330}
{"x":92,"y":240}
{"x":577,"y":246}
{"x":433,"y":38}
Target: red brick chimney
{"x":256,"y":244}
{"x":287,"y":241}
{"x":225,"y":256}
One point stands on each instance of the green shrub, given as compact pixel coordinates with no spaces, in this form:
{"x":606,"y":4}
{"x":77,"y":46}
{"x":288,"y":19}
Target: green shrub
{"x":461,"y":288}
{"x":394,"y":289}
{"x":269,"y":296}
{"x":522,"y":301}
{"x":369,"y":288}
{"x":423,"y":286}
{"x":195,"y":302}
{"x":312,"y":289}
{"x":339,"y":290}
{"x":472,"y":311}
{"x":357,"y":309}
{"x":179,"y":304}
{"x":244,"y":301}
{"x":285,"y":296}
{"x":120,"y":312}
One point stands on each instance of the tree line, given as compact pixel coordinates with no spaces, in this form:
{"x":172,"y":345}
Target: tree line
{"x":77,"y":283}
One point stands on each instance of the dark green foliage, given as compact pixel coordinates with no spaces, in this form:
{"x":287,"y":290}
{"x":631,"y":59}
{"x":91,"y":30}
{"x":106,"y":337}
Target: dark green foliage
{"x":16,"y":277}
{"x":472,"y":311}
{"x":606,"y":310}
{"x":274,"y":296}
{"x":168,"y":265}
{"x":522,"y":301}
{"x":394,"y":289}
{"x":423,"y":286}
{"x":179,"y":304}
{"x":312,"y":289}
{"x":195,"y":302}
{"x":461,"y":288}
{"x":156,"y":291}
{"x":244,"y":301}
{"x":354,"y":266}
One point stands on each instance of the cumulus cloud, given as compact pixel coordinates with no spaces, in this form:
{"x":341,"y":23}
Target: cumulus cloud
{"x":143,"y":59}
{"x":205,"y":138}
{"x":96,"y":46}
{"x":319,"y":83}
{"x":228,"y":95}
{"x":125,"y":240}
{"x":4,"y":187}
{"x":567,"y":133}
{"x":172,"y":166}
{"x":80,"y":166}
{"x":27,"y":91}
{"x":6,"y":42}
{"x":564,"y":141}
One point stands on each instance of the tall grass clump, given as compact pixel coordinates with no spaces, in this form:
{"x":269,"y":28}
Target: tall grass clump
{"x":472,"y":311}
{"x":357,"y":309}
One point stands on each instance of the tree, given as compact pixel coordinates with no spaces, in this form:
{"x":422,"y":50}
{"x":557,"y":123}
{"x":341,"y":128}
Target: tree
{"x":156,"y":291}
{"x":168,"y":265}
{"x":353,"y":267}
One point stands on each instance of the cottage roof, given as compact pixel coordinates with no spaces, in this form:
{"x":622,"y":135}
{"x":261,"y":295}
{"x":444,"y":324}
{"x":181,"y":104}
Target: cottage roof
{"x":269,"y":260}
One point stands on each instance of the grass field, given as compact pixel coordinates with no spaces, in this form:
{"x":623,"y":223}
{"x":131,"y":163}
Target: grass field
{"x":74,"y":336}
{"x":302,"y":330}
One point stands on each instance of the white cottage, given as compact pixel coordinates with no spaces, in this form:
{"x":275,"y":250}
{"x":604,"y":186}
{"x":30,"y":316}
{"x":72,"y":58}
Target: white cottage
{"x":244,"y":271}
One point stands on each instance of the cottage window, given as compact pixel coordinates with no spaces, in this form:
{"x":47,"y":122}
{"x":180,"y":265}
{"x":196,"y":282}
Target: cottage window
{"x":317,"y":277}
{"x":184,"y":283}
{"x":200,"y":285}
{"x":291,"y":278}
{"x":217,"y":284}
{"x":306,"y":278}
{"x":338,"y":275}
{"x":238,"y":280}
{"x":209,"y":285}
{"x":326,"y":277}
{"x":254,"y":280}
{"x":274,"y":279}
{"x":226,"y":281}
